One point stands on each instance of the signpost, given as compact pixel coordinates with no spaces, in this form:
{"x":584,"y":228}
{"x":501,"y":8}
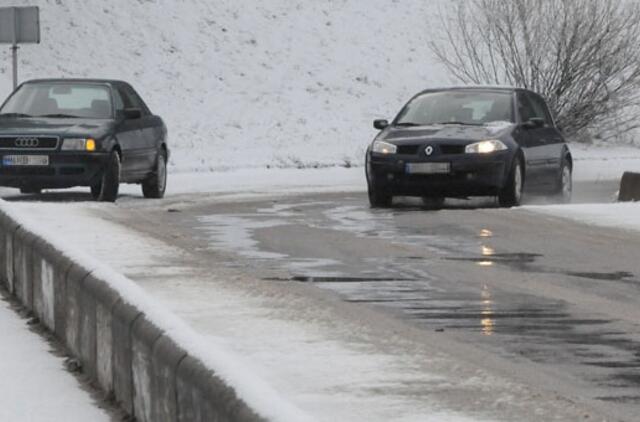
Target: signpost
{"x":19,"y":25}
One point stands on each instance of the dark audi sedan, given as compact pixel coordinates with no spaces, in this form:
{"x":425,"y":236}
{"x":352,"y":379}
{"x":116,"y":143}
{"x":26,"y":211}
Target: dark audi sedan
{"x":462,"y":142}
{"x":60,"y":133}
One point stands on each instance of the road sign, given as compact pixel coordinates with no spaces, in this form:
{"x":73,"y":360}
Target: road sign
{"x":19,"y":25}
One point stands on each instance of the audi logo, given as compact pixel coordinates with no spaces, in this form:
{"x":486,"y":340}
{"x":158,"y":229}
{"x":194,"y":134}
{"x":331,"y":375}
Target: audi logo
{"x":27,"y":142}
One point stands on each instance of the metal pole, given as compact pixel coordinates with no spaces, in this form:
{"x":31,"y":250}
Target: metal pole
{"x":14,"y":50}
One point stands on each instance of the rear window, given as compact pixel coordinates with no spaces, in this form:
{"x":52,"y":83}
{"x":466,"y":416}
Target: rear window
{"x":61,"y":100}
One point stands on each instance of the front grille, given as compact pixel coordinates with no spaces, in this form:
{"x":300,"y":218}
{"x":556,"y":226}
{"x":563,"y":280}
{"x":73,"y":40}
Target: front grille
{"x":408,"y":149}
{"x":452,"y":149}
{"x":29,"y":143}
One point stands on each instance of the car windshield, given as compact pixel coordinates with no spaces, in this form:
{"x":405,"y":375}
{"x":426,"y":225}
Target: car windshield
{"x":60,"y":100}
{"x":457,"y":107}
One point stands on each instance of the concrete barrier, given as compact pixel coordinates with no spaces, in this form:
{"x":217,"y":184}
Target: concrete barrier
{"x":9,"y":228}
{"x":121,"y":350}
{"x":629,"y":187}
{"x":166,"y":359}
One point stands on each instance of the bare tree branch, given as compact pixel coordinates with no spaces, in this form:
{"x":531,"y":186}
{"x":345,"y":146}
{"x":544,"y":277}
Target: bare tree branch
{"x":582,"y":55}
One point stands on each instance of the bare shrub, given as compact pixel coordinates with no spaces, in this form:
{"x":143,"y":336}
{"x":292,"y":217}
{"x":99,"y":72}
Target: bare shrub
{"x":583,"y":56}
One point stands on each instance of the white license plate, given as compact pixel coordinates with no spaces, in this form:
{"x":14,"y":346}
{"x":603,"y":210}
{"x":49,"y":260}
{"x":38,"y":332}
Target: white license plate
{"x":428,"y":168}
{"x":25,"y":160}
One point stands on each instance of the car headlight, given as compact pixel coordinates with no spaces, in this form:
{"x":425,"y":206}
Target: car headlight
{"x":79,"y":144}
{"x":382,"y":147}
{"x":485,"y":147}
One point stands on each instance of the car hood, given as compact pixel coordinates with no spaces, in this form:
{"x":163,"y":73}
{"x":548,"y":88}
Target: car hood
{"x":96,"y":128}
{"x":445,"y":133}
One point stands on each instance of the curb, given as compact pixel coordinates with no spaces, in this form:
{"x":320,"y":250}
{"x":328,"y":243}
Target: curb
{"x":121,"y":351}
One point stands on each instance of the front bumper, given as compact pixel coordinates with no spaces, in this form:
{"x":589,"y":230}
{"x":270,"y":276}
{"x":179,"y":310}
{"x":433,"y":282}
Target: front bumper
{"x":65,"y":170}
{"x":471,"y":175}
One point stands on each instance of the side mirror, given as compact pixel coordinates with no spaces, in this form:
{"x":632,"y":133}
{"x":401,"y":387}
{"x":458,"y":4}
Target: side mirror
{"x":380,"y":124}
{"x":132,"y":113}
{"x":534,"y":123}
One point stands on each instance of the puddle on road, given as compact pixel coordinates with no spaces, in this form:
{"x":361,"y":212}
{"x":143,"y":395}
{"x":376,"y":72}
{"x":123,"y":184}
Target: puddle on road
{"x":322,"y":279}
{"x":522,"y":261}
{"x":614,"y":276}
{"x":539,"y":329}
{"x":501,"y":258}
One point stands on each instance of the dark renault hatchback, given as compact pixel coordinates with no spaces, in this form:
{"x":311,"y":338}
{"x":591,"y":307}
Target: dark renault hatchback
{"x":60,"y":133}
{"x":462,"y":142}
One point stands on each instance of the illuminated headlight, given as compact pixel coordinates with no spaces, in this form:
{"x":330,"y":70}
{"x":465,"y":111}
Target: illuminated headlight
{"x":485,"y":147}
{"x":79,"y":144}
{"x":382,"y":147}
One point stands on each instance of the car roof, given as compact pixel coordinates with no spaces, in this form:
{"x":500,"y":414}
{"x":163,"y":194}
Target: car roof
{"x":479,"y":88}
{"x":78,"y":81}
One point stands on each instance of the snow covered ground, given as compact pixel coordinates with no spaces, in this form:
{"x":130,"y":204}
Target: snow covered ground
{"x":34,"y":385}
{"x":243,"y":83}
{"x":625,"y":216}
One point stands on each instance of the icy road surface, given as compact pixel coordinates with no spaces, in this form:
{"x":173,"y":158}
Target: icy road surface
{"x":401,"y":314}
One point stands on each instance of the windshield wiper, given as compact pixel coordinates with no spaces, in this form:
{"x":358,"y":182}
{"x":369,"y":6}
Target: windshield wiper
{"x":15,"y":115}
{"x":61,"y":116}
{"x":408,"y":124}
{"x":457,"y":123}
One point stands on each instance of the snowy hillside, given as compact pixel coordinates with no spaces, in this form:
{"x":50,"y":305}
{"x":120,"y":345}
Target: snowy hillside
{"x":243,"y":83}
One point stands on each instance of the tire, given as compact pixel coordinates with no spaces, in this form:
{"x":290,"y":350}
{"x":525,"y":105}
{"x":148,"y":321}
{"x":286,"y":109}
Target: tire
{"x":511,"y":193}
{"x":107,"y":190}
{"x":433,"y":202}
{"x":30,"y":191}
{"x":379,"y":198}
{"x":95,"y":190}
{"x":156,"y":184}
{"x":564,"y":188}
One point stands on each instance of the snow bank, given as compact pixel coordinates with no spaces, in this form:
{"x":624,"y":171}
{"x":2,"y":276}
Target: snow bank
{"x":624,"y":216}
{"x":254,"y":391}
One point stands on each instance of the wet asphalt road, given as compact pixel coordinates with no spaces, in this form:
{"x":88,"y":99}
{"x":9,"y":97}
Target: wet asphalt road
{"x":539,"y":295}
{"x":536,"y":292}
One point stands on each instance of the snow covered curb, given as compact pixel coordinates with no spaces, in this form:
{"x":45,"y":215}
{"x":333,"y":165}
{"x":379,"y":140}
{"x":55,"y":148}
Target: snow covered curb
{"x":155,"y":365}
{"x":623,"y":216}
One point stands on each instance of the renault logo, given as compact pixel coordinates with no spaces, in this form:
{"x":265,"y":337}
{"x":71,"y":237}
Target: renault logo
{"x":428,"y":150}
{"x":27,"y":142}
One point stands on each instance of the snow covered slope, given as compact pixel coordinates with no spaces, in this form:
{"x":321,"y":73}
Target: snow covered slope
{"x":246,"y":83}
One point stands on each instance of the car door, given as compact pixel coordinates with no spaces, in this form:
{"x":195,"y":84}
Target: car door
{"x":151,"y":127}
{"x":531,"y":141}
{"x":128,"y":135}
{"x":551,"y":140}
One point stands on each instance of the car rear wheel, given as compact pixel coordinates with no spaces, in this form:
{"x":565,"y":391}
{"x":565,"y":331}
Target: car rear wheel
{"x":107,"y":189}
{"x":564,"y":188}
{"x":156,"y":184}
{"x":511,"y":194}
{"x":433,"y":202}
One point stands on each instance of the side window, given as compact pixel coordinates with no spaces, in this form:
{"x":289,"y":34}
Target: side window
{"x":119,"y":102}
{"x":540,"y":109}
{"x":134,"y":100}
{"x":525,"y":108}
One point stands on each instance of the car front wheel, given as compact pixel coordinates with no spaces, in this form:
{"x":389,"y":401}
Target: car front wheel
{"x":511,"y":194}
{"x":565,"y":183}
{"x":155,"y":185}
{"x":107,"y":189}
{"x":379,"y":198}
